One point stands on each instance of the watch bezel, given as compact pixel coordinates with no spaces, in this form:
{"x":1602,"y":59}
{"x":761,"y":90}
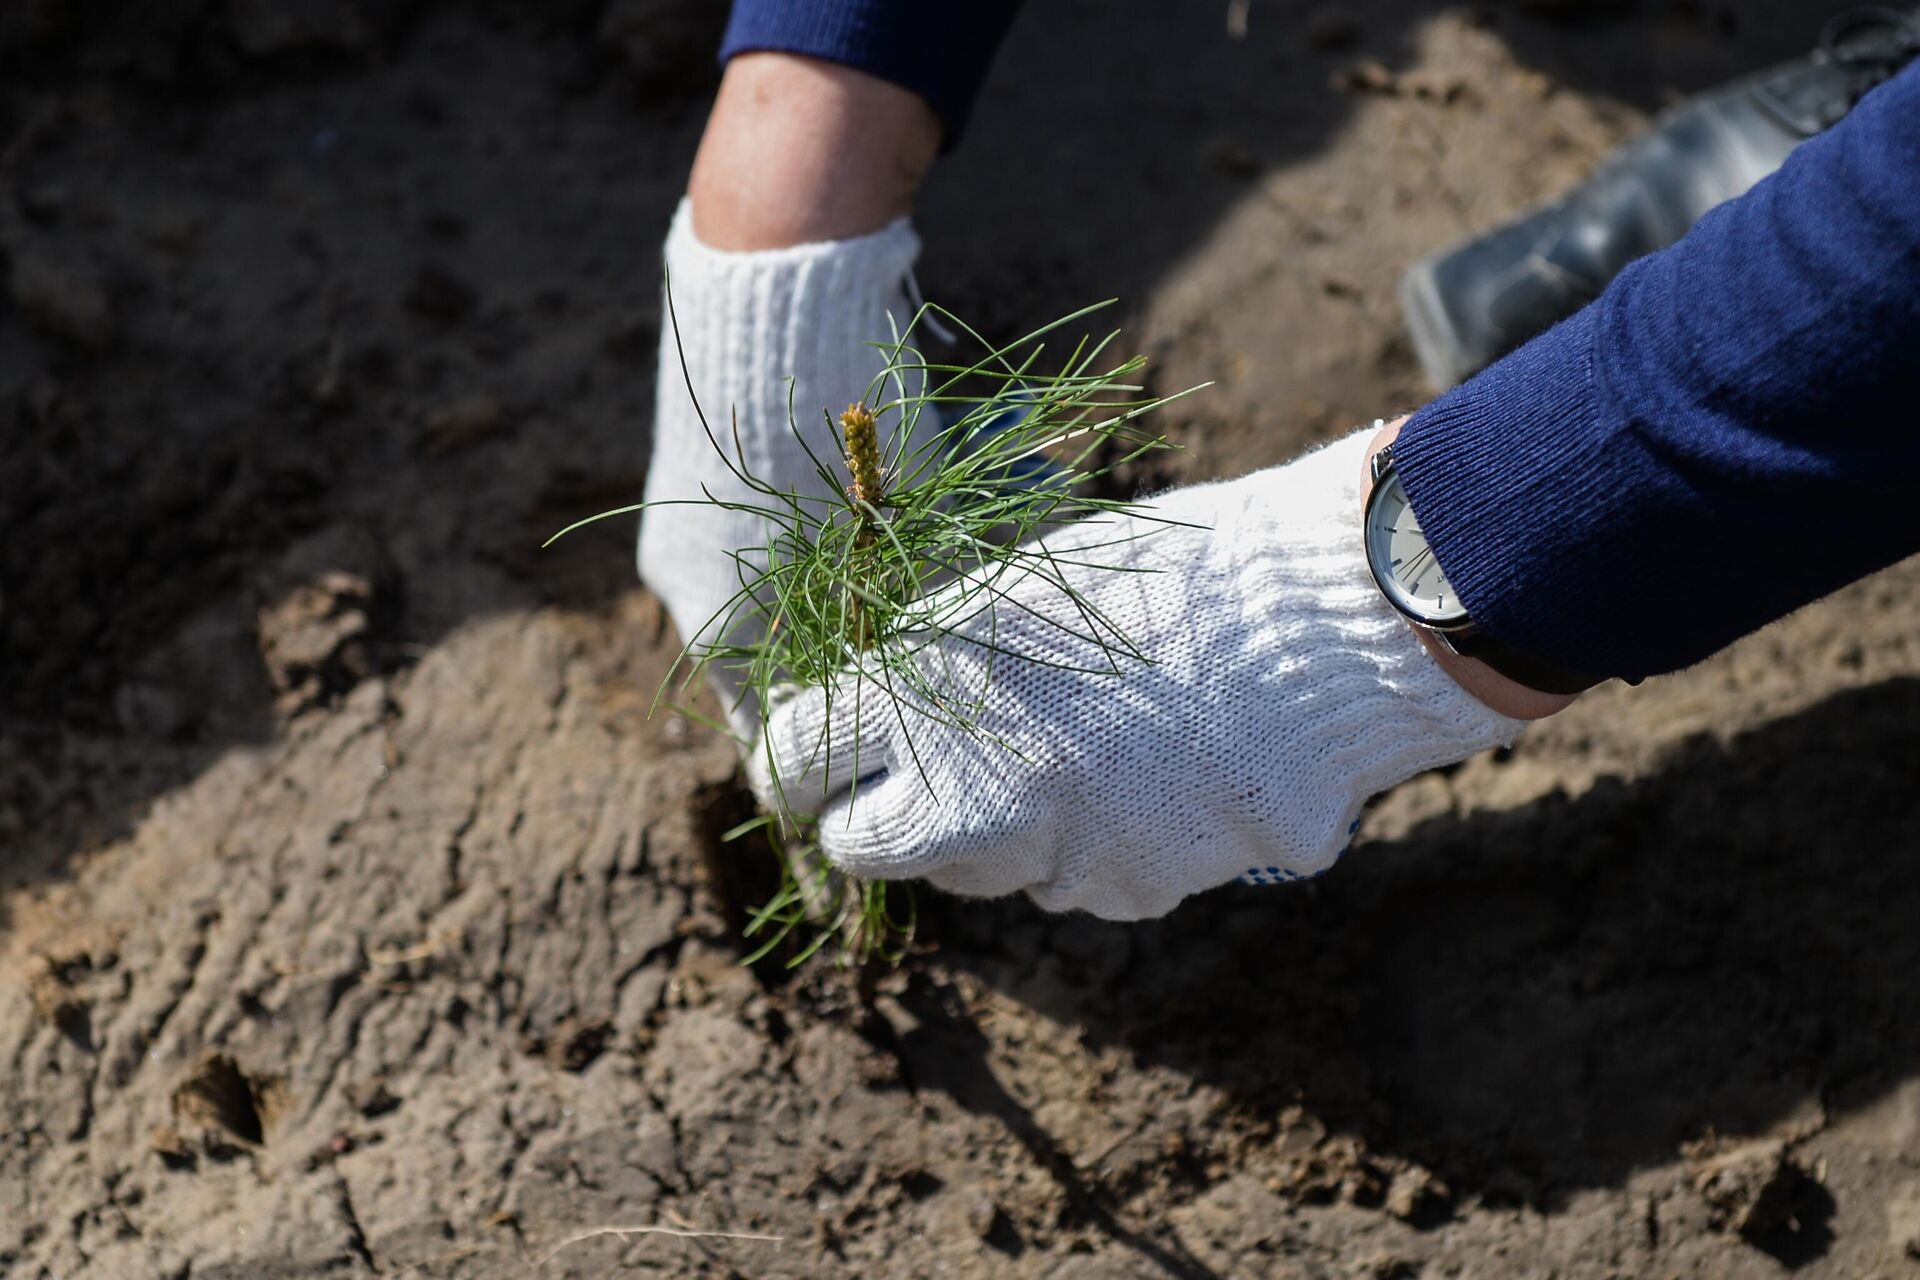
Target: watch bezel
{"x":1385,"y":477}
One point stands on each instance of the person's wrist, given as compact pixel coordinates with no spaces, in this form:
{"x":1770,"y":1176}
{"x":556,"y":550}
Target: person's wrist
{"x":1489,"y":687}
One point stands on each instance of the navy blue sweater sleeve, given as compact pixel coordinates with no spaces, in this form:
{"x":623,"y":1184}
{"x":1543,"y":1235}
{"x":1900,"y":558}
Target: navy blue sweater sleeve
{"x":939,"y":51}
{"x":1729,"y":432}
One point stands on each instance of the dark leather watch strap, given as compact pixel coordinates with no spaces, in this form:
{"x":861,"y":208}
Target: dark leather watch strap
{"x":1522,"y":668}
{"x":1469,"y":640}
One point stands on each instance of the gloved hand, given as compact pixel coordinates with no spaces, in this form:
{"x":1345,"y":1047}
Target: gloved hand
{"x":1282,"y":691}
{"x":762,"y":333}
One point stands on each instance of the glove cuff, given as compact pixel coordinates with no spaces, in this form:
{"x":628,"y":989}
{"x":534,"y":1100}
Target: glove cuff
{"x":759,"y":327}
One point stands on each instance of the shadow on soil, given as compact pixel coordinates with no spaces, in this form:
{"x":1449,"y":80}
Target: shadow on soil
{"x":1533,"y":1001}
{"x":307,"y":345}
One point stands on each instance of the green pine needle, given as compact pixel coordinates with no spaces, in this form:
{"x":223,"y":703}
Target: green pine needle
{"x":849,"y":576}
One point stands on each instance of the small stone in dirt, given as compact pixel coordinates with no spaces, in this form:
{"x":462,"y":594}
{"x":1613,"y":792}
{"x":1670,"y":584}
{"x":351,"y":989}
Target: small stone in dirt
{"x":166,"y":1142}
{"x":61,"y":296}
{"x":1903,"y":1219}
{"x":1329,"y":27}
{"x":1416,"y":1196}
{"x":318,"y":614}
{"x":1750,"y":1188}
{"x":1367,"y":76}
{"x":372,"y":1098}
{"x":58,"y":1003}
{"x":64,"y":985}
{"x":1300,"y":1133}
{"x":1337,"y":1169}
{"x":969,"y":1210}
{"x":968,"y":1213}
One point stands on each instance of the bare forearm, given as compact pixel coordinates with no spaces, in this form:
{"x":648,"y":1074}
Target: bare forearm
{"x":799,"y":151}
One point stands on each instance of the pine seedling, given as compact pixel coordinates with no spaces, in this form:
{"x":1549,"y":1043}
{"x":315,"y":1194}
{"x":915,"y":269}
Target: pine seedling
{"x":945,"y":479}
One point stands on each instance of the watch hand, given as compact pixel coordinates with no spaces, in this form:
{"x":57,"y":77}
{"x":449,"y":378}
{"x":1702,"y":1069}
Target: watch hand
{"x":1416,"y":564}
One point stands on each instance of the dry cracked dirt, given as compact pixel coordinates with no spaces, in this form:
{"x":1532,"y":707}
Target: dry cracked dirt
{"x":357,"y":920}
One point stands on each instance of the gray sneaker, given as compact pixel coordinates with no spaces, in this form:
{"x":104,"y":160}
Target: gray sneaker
{"x":1470,"y":304}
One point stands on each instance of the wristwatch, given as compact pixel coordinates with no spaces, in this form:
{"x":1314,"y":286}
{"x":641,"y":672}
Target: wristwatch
{"x":1411,"y":578}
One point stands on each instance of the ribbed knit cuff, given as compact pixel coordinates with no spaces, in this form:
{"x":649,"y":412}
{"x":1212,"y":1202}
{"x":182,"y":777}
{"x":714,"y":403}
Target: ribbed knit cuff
{"x":798,"y":323}
{"x":1501,"y":472}
{"x":939,"y":51}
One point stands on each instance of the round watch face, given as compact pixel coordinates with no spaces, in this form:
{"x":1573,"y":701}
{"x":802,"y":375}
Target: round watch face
{"x":1403,"y":563}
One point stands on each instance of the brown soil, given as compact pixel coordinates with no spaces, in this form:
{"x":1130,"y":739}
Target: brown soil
{"x":358,"y":920}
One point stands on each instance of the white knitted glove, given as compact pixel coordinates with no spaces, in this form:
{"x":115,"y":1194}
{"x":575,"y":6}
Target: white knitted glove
{"x":1283,"y":691}
{"x":756,"y":327}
